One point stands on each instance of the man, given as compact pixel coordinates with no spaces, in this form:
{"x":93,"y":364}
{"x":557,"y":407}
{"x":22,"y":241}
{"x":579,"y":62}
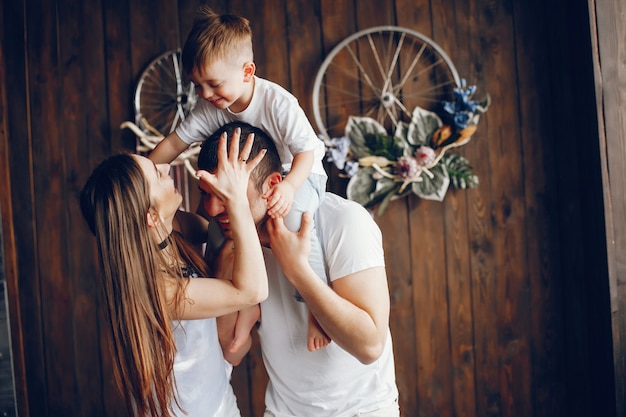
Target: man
{"x":354,"y":374}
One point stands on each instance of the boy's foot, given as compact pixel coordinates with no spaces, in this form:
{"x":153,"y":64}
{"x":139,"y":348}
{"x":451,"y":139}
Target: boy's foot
{"x":317,"y":338}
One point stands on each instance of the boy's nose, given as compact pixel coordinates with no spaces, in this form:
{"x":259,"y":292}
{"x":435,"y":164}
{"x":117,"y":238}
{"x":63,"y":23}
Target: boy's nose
{"x":206,"y":93}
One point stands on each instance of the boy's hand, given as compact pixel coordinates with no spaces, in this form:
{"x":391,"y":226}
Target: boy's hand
{"x":279,"y":199}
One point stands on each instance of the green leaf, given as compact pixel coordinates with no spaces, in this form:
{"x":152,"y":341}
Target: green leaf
{"x":361,"y":186}
{"x":383,"y":204}
{"x":384,"y":187}
{"x":433,"y":188}
{"x":384,"y":145}
{"x":357,"y":129}
{"x":423,"y":124}
{"x":461,"y":173}
{"x":366,"y":190}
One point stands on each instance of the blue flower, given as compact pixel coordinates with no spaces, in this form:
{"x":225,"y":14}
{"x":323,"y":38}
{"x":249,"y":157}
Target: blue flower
{"x":462,"y":108}
{"x":337,"y":150}
{"x":351,"y":168}
{"x":461,"y":119}
{"x":451,"y":107}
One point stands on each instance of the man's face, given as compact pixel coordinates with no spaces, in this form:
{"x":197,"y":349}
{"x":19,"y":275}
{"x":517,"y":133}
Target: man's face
{"x":215,"y":208}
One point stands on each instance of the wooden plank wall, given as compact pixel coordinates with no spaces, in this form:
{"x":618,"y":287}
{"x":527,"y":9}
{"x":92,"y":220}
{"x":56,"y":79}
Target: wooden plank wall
{"x":500,"y":295}
{"x":608,"y":22}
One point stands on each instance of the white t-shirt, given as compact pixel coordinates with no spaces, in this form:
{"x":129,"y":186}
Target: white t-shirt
{"x":330,"y":381}
{"x":272,"y":109}
{"x":202,"y":375}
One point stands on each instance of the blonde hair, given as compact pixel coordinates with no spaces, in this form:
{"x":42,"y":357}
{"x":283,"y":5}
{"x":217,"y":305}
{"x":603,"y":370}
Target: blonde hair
{"x":115,"y":202}
{"x":217,"y":37}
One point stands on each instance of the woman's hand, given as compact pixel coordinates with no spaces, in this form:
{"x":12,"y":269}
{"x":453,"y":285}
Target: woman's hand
{"x":233,"y":168}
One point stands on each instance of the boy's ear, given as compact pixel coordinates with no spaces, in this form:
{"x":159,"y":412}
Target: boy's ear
{"x":249,"y":68}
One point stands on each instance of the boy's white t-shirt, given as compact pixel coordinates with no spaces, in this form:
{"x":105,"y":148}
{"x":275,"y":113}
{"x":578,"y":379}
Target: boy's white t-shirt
{"x":272,"y":109}
{"x":328,"y":382}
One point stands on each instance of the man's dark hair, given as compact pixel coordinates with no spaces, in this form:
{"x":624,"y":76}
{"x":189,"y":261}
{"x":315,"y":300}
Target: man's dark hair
{"x":207,"y":158}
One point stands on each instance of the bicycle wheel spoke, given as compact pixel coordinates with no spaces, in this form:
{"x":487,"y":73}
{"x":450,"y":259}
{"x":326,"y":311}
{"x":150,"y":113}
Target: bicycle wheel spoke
{"x":433,"y":89}
{"x":401,"y":106}
{"x":425,"y":70}
{"x":376,"y":58}
{"x":339,"y":90}
{"x":394,"y":61}
{"x":411,"y":67}
{"x":179,"y":82}
{"x":341,"y":72}
{"x":366,"y":77}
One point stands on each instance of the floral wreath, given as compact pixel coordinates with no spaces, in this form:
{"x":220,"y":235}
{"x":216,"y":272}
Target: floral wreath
{"x":382,"y":168}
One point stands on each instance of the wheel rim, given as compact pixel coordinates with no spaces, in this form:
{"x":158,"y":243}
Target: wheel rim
{"x":383,"y":72}
{"x":164,"y":95}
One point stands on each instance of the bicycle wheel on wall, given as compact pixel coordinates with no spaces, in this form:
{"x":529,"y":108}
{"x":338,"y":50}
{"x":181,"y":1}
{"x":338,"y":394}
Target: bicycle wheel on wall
{"x":383,"y":72}
{"x":164,"y":95}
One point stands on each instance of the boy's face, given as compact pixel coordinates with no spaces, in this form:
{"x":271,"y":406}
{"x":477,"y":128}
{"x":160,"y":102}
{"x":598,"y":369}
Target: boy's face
{"x":225,"y":83}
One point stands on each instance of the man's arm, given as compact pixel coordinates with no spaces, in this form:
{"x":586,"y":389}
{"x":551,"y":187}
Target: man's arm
{"x":354,"y":313}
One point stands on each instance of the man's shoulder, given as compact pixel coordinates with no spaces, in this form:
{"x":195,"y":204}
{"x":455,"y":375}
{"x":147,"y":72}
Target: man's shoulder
{"x":333,"y":204}
{"x":336,"y":214}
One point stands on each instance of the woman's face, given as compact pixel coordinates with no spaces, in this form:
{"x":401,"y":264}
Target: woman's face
{"x":164,"y":196}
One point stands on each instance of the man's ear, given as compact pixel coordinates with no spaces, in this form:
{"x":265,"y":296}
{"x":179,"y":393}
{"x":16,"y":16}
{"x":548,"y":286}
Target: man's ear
{"x":273,"y":179}
{"x":249,"y":68}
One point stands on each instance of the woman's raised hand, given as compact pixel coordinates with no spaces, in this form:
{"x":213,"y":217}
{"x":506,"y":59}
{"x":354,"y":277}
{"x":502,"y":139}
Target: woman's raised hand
{"x":233,"y":168}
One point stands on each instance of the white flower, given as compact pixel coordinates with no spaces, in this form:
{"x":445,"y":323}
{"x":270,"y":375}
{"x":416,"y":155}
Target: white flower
{"x":407,"y":167}
{"x":425,"y":155}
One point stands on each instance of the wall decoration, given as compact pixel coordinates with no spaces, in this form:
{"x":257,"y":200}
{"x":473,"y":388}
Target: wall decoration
{"x":412,"y":159}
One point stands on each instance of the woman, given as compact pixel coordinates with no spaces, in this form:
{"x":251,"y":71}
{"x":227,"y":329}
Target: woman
{"x":167,"y":356}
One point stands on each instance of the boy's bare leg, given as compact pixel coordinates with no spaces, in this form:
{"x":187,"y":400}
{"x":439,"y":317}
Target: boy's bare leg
{"x":246,"y":319}
{"x":317,"y":338}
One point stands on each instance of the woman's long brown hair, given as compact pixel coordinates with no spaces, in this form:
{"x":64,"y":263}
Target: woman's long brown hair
{"x":115,"y":203}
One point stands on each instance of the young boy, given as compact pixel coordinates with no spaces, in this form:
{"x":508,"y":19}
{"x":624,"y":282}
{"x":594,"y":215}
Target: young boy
{"x":218,"y":57}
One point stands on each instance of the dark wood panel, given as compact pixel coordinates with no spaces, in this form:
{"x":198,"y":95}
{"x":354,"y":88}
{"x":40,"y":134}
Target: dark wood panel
{"x":81,"y":53}
{"x":48,"y":141}
{"x":508,"y":328}
{"x":395,"y":224}
{"x":303,"y":38}
{"x":338,"y":24}
{"x":445,"y":16}
{"x":12,"y":18}
{"x":432,"y":310}
{"x":43,"y":167}
{"x":547,"y":350}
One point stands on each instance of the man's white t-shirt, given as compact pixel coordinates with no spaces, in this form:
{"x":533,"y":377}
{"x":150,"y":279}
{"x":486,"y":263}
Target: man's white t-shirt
{"x":328,"y":382}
